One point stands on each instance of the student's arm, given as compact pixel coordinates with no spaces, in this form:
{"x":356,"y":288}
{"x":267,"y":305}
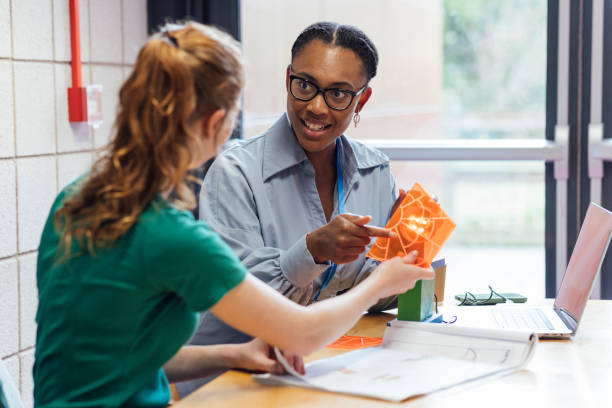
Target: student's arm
{"x":256,"y":309}
{"x":202,"y":361}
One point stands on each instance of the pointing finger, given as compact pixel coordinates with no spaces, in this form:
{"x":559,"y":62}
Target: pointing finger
{"x":357,"y":219}
{"x":379,"y":232}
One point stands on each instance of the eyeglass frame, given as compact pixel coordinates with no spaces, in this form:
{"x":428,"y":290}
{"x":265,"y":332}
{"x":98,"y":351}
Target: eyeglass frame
{"x":322,"y":92}
{"x":469,"y":299}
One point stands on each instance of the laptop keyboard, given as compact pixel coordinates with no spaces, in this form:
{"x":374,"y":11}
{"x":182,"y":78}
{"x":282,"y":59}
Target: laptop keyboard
{"x":522,"y":319}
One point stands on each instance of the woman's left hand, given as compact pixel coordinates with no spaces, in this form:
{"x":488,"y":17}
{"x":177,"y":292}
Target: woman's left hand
{"x":400,"y":198}
{"x":257,"y":355}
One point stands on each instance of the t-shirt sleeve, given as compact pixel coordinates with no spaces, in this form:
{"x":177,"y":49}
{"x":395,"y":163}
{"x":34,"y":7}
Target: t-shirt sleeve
{"x":193,"y":262}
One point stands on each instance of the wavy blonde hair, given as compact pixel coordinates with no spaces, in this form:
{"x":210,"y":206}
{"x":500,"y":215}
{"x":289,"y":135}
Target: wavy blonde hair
{"x":180,"y":75}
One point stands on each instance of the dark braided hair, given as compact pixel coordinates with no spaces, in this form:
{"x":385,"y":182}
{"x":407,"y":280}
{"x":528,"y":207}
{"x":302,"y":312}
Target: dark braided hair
{"x":341,"y":35}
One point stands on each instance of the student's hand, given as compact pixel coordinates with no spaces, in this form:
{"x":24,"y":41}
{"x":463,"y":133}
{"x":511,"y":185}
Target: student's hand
{"x":399,"y":274}
{"x":343,"y":238}
{"x":257,"y":355}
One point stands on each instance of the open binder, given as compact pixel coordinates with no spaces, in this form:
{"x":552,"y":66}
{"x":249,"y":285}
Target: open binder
{"x":416,"y":359}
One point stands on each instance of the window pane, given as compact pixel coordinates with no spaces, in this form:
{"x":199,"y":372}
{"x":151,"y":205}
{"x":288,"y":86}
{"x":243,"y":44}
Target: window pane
{"x":499,"y":211}
{"x":448,"y":69}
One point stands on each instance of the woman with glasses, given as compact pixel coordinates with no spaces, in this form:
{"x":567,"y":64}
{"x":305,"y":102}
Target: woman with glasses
{"x":299,"y":203}
{"x":123,"y":270}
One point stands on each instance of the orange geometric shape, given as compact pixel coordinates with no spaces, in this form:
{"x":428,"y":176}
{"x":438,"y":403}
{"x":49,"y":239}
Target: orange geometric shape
{"x":355,"y":342}
{"x":420,"y":224}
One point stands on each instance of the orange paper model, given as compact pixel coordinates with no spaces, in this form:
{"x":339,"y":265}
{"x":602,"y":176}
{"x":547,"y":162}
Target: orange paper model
{"x":355,"y":342}
{"x":420,"y":224}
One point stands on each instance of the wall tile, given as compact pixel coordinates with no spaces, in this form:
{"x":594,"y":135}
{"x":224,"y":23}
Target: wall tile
{"x":61,"y":29}
{"x":36,"y":190}
{"x":70,"y":136}
{"x":32,"y":29}
{"x":9,"y":309}
{"x":28,"y":300}
{"x":71,"y":166}
{"x":111,"y":79}
{"x":34,"y":108}
{"x":5,"y":28}
{"x":27,"y":381}
{"x":12,"y":366}
{"x":8,"y":209}
{"x":106,"y":30}
{"x":134,"y":28}
{"x":7,"y":130}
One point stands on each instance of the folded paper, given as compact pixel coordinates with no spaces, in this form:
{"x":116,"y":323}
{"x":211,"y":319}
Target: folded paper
{"x":420,"y":224}
{"x":355,"y":342}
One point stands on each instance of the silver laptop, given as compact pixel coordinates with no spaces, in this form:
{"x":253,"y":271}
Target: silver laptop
{"x":562,"y":319}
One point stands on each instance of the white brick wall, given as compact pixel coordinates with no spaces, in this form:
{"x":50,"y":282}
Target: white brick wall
{"x":12,"y":366}
{"x":71,"y":166}
{"x":28,"y":300}
{"x":5,"y":29}
{"x":32,"y":34}
{"x":40,"y":152}
{"x":26,"y":382}
{"x":34,"y":108}
{"x":7,"y":134}
{"x":36,"y":189}
{"x":9,"y":307}
{"x":106,"y":34}
{"x":133,"y":32}
{"x":8,"y":206}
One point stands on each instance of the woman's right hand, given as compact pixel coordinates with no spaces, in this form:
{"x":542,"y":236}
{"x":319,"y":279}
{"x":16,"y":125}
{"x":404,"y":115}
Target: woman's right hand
{"x":399,"y":274}
{"x":343,"y":239}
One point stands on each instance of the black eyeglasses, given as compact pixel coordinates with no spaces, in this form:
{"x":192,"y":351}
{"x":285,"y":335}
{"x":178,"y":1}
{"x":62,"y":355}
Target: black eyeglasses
{"x":336,"y":98}
{"x":469,"y":299}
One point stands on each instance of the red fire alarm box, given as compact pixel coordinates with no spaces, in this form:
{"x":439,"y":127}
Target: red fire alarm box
{"x":85,"y":104}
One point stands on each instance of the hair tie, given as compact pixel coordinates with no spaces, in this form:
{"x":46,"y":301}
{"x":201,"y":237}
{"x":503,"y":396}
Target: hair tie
{"x":170,"y":39}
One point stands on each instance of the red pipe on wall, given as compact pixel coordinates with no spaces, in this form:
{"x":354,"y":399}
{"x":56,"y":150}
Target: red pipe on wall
{"x":75,"y":43}
{"x":77,"y":94}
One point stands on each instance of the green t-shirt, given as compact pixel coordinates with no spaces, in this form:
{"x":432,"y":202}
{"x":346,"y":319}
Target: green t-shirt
{"x":107,"y":323}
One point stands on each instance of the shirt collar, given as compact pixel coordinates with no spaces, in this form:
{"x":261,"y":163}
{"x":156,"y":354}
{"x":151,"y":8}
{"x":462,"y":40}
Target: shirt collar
{"x":282,"y":151}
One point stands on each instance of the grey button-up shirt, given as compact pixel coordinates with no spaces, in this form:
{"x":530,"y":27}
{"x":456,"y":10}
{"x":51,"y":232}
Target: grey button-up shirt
{"x":260,"y":196}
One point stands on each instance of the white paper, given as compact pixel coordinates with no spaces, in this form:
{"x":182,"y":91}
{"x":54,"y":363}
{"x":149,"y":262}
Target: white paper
{"x":281,"y":359}
{"x":505,"y":347}
{"x":414,"y":359}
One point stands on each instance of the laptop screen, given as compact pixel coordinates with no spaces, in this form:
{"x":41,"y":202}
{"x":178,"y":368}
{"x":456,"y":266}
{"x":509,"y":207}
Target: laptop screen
{"x":585,"y":261}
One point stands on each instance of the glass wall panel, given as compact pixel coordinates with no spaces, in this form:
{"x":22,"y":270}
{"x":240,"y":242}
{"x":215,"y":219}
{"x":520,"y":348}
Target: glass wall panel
{"x":498,"y":208}
{"x":448,"y":69}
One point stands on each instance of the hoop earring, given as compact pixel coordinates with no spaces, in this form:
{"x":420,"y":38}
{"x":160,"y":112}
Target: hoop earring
{"x":356,"y":118}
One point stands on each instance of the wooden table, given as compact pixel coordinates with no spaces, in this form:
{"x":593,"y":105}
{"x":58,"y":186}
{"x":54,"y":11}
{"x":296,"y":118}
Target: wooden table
{"x":562,"y":373}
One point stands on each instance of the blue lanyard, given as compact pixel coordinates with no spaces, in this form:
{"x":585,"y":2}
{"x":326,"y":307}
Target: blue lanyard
{"x":331,"y":270}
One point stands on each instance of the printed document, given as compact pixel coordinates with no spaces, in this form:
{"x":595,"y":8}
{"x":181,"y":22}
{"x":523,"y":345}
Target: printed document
{"x":415,"y":359}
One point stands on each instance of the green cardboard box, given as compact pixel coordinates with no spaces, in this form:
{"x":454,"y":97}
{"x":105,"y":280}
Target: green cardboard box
{"x":417,"y":304}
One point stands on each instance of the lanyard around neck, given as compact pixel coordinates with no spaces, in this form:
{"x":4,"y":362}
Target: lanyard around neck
{"x":339,"y":180}
{"x":331,"y":270}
